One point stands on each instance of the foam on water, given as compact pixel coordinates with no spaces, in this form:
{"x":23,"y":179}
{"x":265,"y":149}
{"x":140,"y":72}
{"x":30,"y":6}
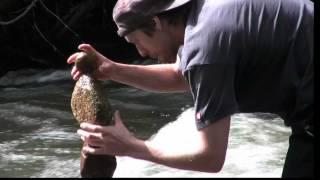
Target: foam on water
{"x":47,"y":133}
{"x":60,"y":168}
{"x":244,"y":158}
{"x":11,"y":109}
{"x":31,"y":76}
{"x":38,"y":132}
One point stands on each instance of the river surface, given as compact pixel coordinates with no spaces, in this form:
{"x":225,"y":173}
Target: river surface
{"x":38,"y":132}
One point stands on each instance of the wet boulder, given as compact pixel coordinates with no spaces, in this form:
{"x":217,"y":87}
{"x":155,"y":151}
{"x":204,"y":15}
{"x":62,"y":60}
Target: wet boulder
{"x":89,"y":103}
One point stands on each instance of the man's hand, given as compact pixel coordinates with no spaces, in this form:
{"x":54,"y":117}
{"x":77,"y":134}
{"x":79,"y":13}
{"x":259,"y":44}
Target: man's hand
{"x":107,"y":140}
{"x":206,"y":153}
{"x":104,"y":64}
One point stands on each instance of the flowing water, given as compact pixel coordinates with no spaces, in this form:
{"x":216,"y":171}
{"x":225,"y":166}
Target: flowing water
{"x":38,"y":132}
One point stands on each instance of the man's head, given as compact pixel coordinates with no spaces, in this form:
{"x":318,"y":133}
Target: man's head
{"x":156,"y":27}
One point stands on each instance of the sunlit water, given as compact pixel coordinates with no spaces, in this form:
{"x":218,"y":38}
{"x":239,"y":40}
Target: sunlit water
{"x":38,"y":132}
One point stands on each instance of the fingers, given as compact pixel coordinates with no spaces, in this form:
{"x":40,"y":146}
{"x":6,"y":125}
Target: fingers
{"x":72,"y":58}
{"x":92,"y":150}
{"x":96,"y":144}
{"x":86,"y":48}
{"x":117,"y":114}
{"x":117,"y":118}
{"x":83,"y":154}
{"x":92,"y":143}
{"x":89,"y":136}
{"x":74,"y":70}
{"x":82,"y":47}
{"x":91,"y":127}
{"x":77,"y":75}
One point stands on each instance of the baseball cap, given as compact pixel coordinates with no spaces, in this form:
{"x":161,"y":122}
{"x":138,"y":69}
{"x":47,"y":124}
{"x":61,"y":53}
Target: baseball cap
{"x":132,"y":14}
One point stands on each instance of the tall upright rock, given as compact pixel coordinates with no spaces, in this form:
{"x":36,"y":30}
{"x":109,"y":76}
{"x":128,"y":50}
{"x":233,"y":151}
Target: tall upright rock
{"x":89,"y":103}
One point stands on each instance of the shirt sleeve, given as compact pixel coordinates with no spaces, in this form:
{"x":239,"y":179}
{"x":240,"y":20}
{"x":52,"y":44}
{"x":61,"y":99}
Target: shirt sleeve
{"x":209,"y":59}
{"x":212,"y":87}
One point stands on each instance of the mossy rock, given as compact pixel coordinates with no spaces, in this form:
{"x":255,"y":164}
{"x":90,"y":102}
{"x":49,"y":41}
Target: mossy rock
{"x":86,"y":63}
{"x":89,"y":102}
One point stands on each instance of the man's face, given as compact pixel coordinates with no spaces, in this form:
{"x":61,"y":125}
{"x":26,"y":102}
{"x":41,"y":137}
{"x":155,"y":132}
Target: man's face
{"x":159,"y":46}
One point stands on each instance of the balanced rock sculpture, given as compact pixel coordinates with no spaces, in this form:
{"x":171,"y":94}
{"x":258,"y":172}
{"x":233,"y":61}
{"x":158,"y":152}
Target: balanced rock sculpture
{"x":89,"y":104}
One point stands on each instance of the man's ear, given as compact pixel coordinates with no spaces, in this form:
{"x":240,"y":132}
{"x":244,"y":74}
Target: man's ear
{"x":158,"y":23}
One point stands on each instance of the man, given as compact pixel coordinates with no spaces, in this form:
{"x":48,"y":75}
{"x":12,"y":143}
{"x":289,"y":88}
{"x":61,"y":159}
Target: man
{"x":233,"y":55}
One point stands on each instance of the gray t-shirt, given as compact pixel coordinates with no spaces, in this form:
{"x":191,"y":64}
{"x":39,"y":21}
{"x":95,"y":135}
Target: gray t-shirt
{"x":250,"y":56}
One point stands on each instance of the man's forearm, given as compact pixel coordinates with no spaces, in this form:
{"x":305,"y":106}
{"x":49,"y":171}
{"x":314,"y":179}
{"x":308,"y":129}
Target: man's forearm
{"x":203,"y":150}
{"x":157,"y":78}
{"x":195,"y":159}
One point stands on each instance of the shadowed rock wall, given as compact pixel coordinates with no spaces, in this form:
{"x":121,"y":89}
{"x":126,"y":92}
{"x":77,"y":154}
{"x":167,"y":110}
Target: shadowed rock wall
{"x":38,"y":39}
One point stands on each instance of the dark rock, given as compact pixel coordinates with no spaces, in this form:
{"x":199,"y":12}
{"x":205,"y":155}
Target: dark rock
{"x":52,"y":30}
{"x":89,"y":103}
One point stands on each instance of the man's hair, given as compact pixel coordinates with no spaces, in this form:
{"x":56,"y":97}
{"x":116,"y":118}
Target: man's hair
{"x":173,"y":17}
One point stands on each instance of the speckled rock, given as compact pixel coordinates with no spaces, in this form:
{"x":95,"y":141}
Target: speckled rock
{"x":89,"y":103}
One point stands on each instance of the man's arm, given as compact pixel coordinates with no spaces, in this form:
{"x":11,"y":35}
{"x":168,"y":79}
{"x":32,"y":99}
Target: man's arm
{"x":205,"y":153}
{"x":158,"y":78}
{"x":206,"y":150}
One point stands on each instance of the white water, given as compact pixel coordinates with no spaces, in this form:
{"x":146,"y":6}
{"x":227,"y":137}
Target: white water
{"x":256,"y":149}
{"x":38,"y":133}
